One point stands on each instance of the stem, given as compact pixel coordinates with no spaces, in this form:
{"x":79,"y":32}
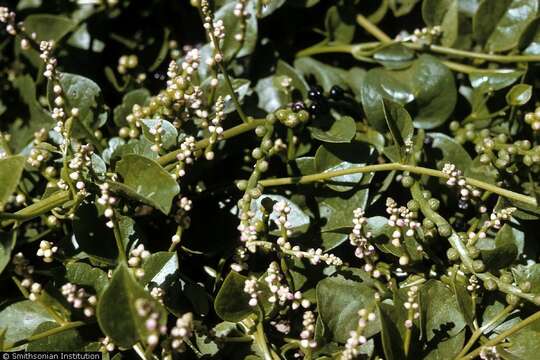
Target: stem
{"x":457,"y":244}
{"x":39,"y":208}
{"x":357,"y":48}
{"x":373,"y":29}
{"x":478,"y":332}
{"x":534,"y":317}
{"x":400,"y":167}
{"x":227,"y":134}
{"x":118,"y":238}
{"x":45,"y":334}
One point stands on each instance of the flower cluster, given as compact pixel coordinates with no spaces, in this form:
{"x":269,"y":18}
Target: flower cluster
{"x":533,"y":119}
{"x":46,"y":251}
{"x":251,"y":287}
{"x":79,"y":298}
{"x":181,"y":331}
{"x":307,"y":336}
{"x":282,"y":293}
{"x":359,"y":238}
{"x":152,"y":321}
{"x":356,"y":337}
{"x":456,"y":178}
{"x":136,"y":258}
{"x":412,"y":306}
{"x":108,"y":201}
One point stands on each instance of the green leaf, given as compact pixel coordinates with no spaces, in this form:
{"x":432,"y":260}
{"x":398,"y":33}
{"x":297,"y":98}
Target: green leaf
{"x":465,"y":302}
{"x":529,"y":42}
{"x":68,"y":340}
{"x":452,"y":151}
{"x":86,"y":275}
{"x":530,"y":273}
{"x":7,"y":244}
{"x":84,"y":94}
{"x":338,"y":303}
{"x":232,"y":303}
{"x":443,"y":13}
{"x":439,"y":310}
{"x":160,"y":267}
{"x":11,"y":169}
{"x":47,"y":27}
{"x":427,"y":84}
{"x":390,"y":336}
{"x":326,"y":75}
{"x":494,"y":80}
{"x":341,"y":131}
{"x":399,"y":123}
{"x":169,"y":133}
{"x":395,"y":56}
{"x":146,"y":181}
{"x":498,"y":24}
{"x":501,"y":251}
{"x":524,"y":343}
{"x":230,"y":46}
{"x":333,"y":157}
{"x":116,"y":310}
{"x":21,"y":319}
{"x":336,"y":212}
{"x":339,"y":25}
{"x":447,"y":348}
{"x":135,"y":97}
{"x":298,"y":220}
{"x":519,"y":94}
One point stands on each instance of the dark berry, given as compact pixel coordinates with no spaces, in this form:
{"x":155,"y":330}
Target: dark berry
{"x":315,"y":93}
{"x":314,"y":108}
{"x":297,"y":106}
{"x":336,"y":93}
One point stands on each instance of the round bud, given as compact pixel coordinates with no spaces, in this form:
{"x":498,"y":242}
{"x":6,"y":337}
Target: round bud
{"x":257,"y":153}
{"x":426,"y":194}
{"x":452,"y":254}
{"x":428,"y":224}
{"x":413,"y":205}
{"x":133,"y":133}
{"x":434,"y":204}
{"x":50,"y":172}
{"x":262,"y":166}
{"x":512,"y":299}
{"x":260,"y":131}
{"x":282,"y":114}
{"x":507,"y":278}
{"x":478,"y":266}
{"x":407,"y":181}
{"x":267,"y":144}
{"x":490,"y":285}
{"x":474,"y":252}
{"x":123,"y":132}
{"x":445,"y":230}
{"x":303,"y":116}
{"x":525,"y":286}
{"x":242,"y":185}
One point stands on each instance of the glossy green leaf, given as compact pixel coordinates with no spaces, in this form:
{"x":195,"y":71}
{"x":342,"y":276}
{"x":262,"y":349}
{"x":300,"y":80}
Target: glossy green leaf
{"x":326,"y":75}
{"x":333,"y":157}
{"x":21,"y":319}
{"x":395,"y":56}
{"x":421,"y":84}
{"x":501,"y":251}
{"x":146,"y":181}
{"x":391,"y":339}
{"x":339,"y":24}
{"x":399,"y":123}
{"x":116,"y":310}
{"x":525,"y":344}
{"x":341,"y":131}
{"x":336,"y":212}
{"x":529,"y":42}
{"x":443,"y":13}
{"x":447,"y":348}
{"x":338,"y":303}
{"x":68,"y":340}
{"x":440,"y":311}
{"x":494,"y":80}
{"x":519,"y":95}
{"x":160,"y":268}
{"x":7,"y":243}
{"x":11,"y":169}
{"x":498,"y":24}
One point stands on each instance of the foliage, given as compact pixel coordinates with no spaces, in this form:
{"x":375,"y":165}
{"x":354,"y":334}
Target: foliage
{"x":271,"y":179}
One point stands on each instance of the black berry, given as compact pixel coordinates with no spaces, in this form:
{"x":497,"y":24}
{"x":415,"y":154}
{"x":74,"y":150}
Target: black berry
{"x":336,"y":92}
{"x":297,"y":106}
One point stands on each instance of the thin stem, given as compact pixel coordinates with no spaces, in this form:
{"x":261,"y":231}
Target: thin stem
{"x":227,"y":134}
{"x":478,"y":332}
{"x":118,"y":239}
{"x":373,"y":29}
{"x":400,"y":167}
{"x":45,"y":334}
{"x":496,"y":340}
{"x":39,"y":208}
